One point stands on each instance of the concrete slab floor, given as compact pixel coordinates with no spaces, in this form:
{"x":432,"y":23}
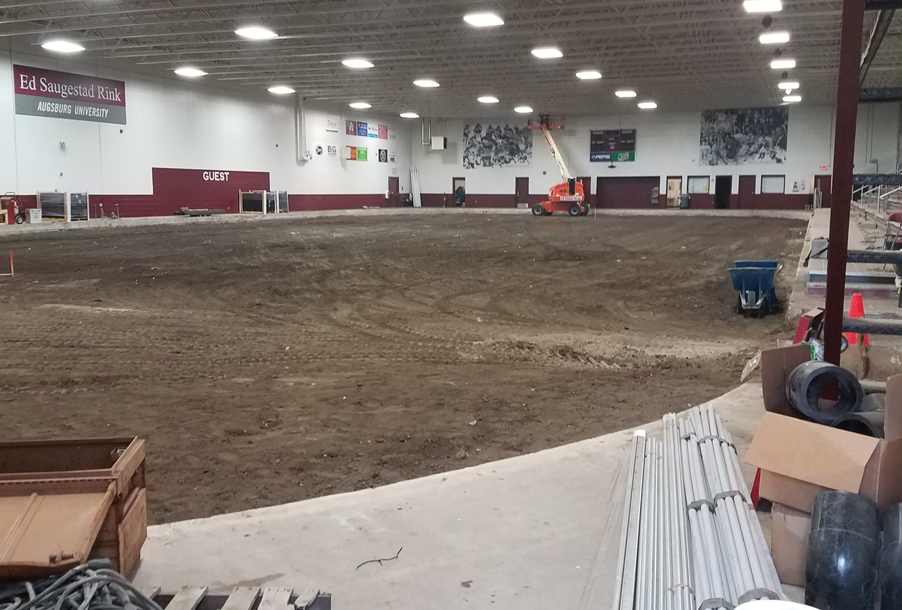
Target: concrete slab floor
{"x":535,"y":531}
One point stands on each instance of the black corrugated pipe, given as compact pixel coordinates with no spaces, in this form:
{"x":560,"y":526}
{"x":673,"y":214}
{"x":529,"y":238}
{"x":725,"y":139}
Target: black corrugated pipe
{"x":878,"y":32}
{"x":841,"y":563}
{"x":891,"y":566}
{"x":808,"y":381}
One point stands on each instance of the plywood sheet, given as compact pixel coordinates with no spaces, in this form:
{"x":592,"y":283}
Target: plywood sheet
{"x":43,"y":532}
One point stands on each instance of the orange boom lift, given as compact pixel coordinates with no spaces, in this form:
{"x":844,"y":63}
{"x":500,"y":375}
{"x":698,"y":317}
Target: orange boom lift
{"x":568,"y":196}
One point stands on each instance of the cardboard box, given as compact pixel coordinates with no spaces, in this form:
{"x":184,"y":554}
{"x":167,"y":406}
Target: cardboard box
{"x":789,"y":543}
{"x":799,"y":459}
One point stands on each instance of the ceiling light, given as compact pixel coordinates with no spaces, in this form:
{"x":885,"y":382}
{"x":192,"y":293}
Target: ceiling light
{"x":788,"y":85}
{"x":625,"y":93}
{"x":774,"y":37}
{"x":281,"y":90}
{"x":360,"y":105}
{"x":409,"y":115}
{"x":783,"y":64}
{"x":190,"y":72}
{"x":488,"y":99}
{"x":63,"y":46}
{"x":589,"y":75}
{"x":547,"y":53}
{"x":357,"y":63}
{"x":762,"y":6}
{"x":792,"y":99}
{"x":523,"y":109}
{"x":647,"y":105}
{"x":256,"y":33}
{"x":483,"y":20}
{"x":425,"y":82}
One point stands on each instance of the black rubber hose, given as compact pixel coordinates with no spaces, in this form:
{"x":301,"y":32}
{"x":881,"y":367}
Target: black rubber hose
{"x":841,"y":563}
{"x":872,"y":402}
{"x":808,"y":381}
{"x":868,"y":423}
{"x":891,"y":565}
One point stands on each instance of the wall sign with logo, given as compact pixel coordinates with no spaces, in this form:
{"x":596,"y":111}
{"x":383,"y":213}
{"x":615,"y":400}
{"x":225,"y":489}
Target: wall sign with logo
{"x":372,"y":131}
{"x":62,"y":95}
{"x":383,"y":132}
{"x":361,"y":129}
{"x":331,"y":125}
{"x":351,"y":128}
{"x":383,"y":155}
{"x":362,"y":154}
{"x":332,"y":150}
{"x":612,"y":145}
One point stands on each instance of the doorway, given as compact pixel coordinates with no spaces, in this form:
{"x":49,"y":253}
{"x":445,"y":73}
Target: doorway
{"x":746,"y":192}
{"x":457,"y":183}
{"x":674,"y":188}
{"x":393,"y":190}
{"x":521,"y":191}
{"x":587,"y":189}
{"x":824,"y":183}
{"x":626,"y":193}
{"x":723,"y":188}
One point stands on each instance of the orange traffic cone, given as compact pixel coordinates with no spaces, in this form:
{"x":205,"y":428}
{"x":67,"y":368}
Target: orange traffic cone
{"x":856,"y":310}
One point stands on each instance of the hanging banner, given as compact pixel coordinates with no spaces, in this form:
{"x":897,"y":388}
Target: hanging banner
{"x":351,"y":128}
{"x":612,"y":145}
{"x":383,"y":132}
{"x":372,"y":131}
{"x":362,"y":154}
{"x":62,"y":95}
{"x":361,"y":129}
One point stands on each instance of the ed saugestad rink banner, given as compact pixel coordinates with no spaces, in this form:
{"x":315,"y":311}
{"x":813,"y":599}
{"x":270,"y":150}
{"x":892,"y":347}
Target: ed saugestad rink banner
{"x":62,"y":95}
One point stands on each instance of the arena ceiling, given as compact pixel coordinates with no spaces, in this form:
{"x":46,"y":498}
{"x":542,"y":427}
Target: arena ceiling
{"x":683,"y":54}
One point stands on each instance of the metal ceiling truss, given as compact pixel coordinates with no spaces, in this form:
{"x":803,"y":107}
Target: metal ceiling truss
{"x":686,"y":55}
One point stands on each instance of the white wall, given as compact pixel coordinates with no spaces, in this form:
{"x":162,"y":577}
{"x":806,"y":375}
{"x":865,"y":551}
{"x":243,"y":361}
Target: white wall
{"x":877,"y":138}
{"x":667,"y":144}
{"x":185,"y":124}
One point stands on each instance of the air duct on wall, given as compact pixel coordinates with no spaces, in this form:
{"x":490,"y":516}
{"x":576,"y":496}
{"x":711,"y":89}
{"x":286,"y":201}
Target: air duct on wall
{"x":300,"y":122}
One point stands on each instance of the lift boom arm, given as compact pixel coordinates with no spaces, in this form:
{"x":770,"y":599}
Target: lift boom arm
{"x":565,"y":173}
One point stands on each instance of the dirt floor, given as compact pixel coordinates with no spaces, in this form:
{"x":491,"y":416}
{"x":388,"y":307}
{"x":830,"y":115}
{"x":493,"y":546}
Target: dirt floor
{"x":278,"y":361}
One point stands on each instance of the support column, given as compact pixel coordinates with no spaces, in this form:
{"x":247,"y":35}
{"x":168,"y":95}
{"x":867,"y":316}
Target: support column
{"x":843,"y":162}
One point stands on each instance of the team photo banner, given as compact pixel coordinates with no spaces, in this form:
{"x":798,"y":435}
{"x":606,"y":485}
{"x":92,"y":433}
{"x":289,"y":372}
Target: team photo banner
{"x":62,"y":95}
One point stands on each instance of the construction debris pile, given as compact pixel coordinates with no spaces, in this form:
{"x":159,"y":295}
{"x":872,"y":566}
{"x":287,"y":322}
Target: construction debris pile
{"x":690,"y":536}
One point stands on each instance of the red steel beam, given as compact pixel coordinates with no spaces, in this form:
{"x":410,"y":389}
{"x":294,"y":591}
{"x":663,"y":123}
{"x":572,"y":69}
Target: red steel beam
{"x":843,"y":161}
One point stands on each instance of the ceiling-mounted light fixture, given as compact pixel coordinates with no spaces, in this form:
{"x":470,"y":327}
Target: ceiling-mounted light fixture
{"x":483,"y":20}
{"x":523,"y":110}
{"x":762,"y":6}
{"x":789,"y":85}
{"x":625,"y":93}
{"x":588,"y":75}
{"x":647,"y":105}
{"x":547,"y":53}
{"x":359,"y":64}
{"x":409,"y":115}
{"x":256,"y":33}
{"x":487,"y":99}
{"x":62,"y":46}
{"x":360,"y":105}
{"x":281,"y":90}
{"x":792,"y":99}
{"x":190,"y":72}
{"x":426,"y":83}
{"x":774,"y":37}
{"x":783,"y":64}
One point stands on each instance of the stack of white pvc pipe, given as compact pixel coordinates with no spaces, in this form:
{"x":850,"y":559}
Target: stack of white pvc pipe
{"x":691,"y":539}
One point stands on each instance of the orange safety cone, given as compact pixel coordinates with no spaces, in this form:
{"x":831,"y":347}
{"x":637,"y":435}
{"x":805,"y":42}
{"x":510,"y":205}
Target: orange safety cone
{"x":856,"y":310}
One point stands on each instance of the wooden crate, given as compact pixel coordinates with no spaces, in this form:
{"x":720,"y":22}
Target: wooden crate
{"x":80,"y":466}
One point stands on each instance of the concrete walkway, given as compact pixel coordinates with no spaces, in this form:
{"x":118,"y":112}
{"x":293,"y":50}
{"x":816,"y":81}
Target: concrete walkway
{"x":537,"y":531}
{"x":368,"y":212}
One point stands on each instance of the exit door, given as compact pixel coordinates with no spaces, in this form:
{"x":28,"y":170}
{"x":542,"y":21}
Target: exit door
{"x":393,"y":191}
{"x":674,"y":188}
{"x":522,"y":191}
{"x":746,"y":192}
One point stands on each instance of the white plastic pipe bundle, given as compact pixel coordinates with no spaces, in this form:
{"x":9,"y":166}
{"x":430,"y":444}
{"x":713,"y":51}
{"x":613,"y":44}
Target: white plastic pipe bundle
{"x":690,"y":537}
{"x":732,"y":562}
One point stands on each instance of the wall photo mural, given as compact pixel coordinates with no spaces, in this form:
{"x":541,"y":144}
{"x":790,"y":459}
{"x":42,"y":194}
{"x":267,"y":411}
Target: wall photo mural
{"x":744,"y":136}
{"x":496,"y":145}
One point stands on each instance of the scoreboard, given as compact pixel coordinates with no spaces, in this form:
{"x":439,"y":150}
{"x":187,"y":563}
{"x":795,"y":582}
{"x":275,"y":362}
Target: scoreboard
{"x":612,"y":145}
